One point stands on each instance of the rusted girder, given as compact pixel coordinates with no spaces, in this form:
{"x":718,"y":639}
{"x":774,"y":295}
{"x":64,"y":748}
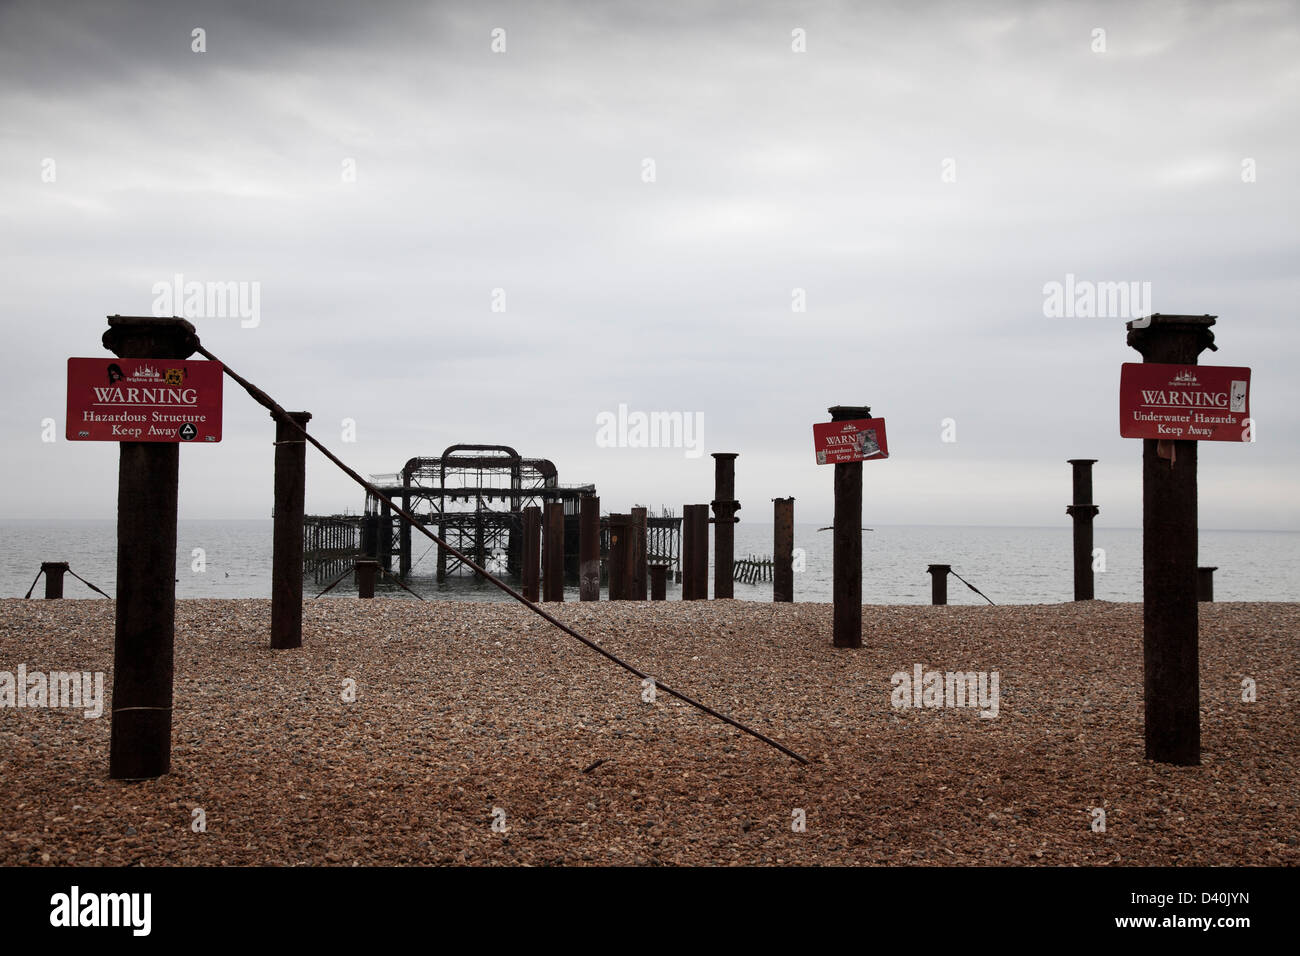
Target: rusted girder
{"x":783,"y":549}
{"x":1170,"y":650}
{"x":143,"y":643}
{"x":1083,"y":511}
{"x":286,"y":533}
{"x":847,"y":588}
{"x":724,"y":520}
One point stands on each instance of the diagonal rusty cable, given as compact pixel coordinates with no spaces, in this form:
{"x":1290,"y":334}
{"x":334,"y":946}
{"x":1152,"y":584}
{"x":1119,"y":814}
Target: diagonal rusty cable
{"x":971,"y":586}
{"x":281,"y":415}
{"x":398,"y":581}
{"x":33,"y":587}
{"x":86,"y":583}
{"x":329,"y":587}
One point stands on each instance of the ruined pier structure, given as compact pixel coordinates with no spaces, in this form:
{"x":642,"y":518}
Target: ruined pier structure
{"x":474,"y":498}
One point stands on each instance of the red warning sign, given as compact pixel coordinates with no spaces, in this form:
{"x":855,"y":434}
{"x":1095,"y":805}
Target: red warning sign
{"x":119,"y":399}
{"x":857,"y":440}
{"x":1184,"y":402}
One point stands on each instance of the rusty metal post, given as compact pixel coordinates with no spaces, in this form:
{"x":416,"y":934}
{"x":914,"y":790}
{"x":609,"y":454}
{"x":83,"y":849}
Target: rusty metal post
{"x":640,"y":583}
{"x":1170,"y":651}
{"x":553,"y":553}
{"x":658,"y":582}
{"x":144,"y":633}
{"x":442,"y":555}
{"x":695,"y":553}
{"x":1205,"y":584}
{"x":366,"y":570}
{"x":589,"y":548}
{"x":687,"y":547}
{"x":724,"y":520}
{"x":695,"y":556}
{"x":532,"y":549}
{"x":1083,"y":511}
{"x":54,"y":571}
{"x":370,"y":536}
{"x":847,"y":589}
{"x":386,"y":536}
{"x":404,"y":532}
{"x":702,"y":552}
{"x":783,"y":549}
{"x":620,"y":531}
{"x":286,"y":533}
{"x":939,"y":582}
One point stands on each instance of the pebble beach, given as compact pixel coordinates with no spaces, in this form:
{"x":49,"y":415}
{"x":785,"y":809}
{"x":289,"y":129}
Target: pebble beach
{"x":407,"y":733}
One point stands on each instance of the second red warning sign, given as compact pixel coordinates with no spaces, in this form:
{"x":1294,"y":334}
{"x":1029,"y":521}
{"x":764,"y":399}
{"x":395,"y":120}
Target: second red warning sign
{"x":837,"y":443}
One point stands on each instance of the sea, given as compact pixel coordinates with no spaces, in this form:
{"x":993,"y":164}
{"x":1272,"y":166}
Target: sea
{"x":1008,"y":565}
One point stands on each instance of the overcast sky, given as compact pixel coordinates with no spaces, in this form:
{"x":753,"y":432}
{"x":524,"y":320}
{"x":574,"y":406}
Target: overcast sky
{"x":920,"y":171}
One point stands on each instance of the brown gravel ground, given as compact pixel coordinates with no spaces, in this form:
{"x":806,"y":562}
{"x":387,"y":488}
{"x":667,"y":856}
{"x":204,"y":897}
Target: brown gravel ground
{"x":462,"y":708}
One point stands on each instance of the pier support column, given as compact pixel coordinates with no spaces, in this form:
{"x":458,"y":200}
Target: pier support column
{"x":532,"y":549}
{"x":1083,"y":511}
{"x":589,"y":548}
{"x":553,"y":553}
{"x":658,"y":582}
{"x":53,"y":571}
{"x":783,"y":549}
{"x":1170,"y":650}
{"x":367,"y":568}
{"x":144,"y":631}
{"x":370,"y":536}
{"x":640,"y":584}
{"x":442,"y":554}
{"x":286,"y":533}
{"x":939,"y":582}
{"x":404,"y":533}
{"x":724,"y":520}
{"x":1205,"y":584}
{"x":847,"y":589}
{"x":695,"y":553}
{"x":386,"y":536}
{"x":620,"y":534}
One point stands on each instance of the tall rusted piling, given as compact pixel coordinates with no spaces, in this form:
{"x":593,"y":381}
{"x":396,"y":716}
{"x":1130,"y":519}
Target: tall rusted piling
{"x":639,"y":589}
{"x":1082,"y":511}
{"x":589,"y":548}
{"x":366,"y":571}
{"x":370,"y":536}
{"x":404,"y":531}
{"x":147,"y":476}
{"x":385,"y":536}
{"x":702,"y":552}
{"x":442,"y":554}
{"x":553,"y":553}
{"x":724,"y":520}
{"x":658,"y":582}
{"x":847,"y":588}
{"x":532,"y":544}
{"x":54,"y":572}
{"x":939,"y":582}
{"x":1205,"y":584}
{"x":688,"y":552}
{"x":620,"y":535}
{"x":1170,"y":652}
{"x":783,"y":549}
{"x":286,"y":532}
{"x":695,"y":553}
